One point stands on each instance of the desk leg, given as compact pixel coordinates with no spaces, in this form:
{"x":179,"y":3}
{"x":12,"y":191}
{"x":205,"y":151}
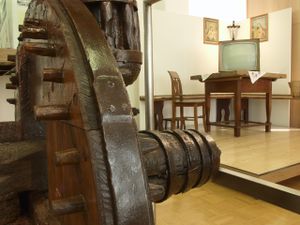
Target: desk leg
{"x":207,"y":110}
{"x":223,"y":104}
{"x":158,"y":114}
{"x":237,"y":112}
{"x":268,"y":111}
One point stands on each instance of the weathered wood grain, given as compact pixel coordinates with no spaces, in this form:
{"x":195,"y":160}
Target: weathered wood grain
{"x":39,"y":209}
{"x":9,"y":208}
{"x":22,"y":167}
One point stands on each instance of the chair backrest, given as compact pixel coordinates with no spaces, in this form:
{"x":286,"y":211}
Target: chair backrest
{"x":176,"y":86}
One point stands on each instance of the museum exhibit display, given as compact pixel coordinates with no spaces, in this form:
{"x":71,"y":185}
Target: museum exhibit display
{"x":73,"y":154}
{"x":237,"y":59}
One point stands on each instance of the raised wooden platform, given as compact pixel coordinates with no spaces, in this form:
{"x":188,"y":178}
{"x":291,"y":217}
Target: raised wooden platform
{"x":273,"y":156}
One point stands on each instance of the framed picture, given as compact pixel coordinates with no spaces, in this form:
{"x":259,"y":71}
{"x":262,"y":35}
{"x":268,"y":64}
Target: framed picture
{"x":210,"y":31}
{"x":259,"y":27}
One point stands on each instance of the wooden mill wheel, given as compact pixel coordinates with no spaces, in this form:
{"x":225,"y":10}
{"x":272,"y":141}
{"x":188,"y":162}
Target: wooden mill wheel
{"x":69,"y":80}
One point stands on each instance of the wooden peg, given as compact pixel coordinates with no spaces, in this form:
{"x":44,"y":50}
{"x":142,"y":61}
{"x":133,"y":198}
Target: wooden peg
{"x":14,"y":80}
{"x":53,"y":75}
{"x":68,"y":205}
{"x":12,"y":101}
{"x":32,"y":22}
{"x":40,"y":48}
{"x":11,"y":58}
{"x":52,"y":112}
{"x":21,"y":27}
{"x":11,"y":86}
{"x":68,"y":156}
{"x":33,"y":33}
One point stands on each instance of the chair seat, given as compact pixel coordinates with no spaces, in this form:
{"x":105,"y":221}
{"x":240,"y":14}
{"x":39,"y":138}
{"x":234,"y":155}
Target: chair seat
{"x":191,"y":118}
{"x":190,"y":103}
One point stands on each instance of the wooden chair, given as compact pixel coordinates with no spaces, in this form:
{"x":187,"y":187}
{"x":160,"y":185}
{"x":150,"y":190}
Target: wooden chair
{"x":178,"y":101}
{"x":169,"y":120}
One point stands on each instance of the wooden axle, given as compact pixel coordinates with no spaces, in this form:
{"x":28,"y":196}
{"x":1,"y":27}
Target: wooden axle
{"x":177,"y":161}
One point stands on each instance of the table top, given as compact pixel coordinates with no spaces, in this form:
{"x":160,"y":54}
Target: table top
{"x":233,"y":75}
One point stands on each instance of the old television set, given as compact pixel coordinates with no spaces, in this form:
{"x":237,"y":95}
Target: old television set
{"x":239,"y":55}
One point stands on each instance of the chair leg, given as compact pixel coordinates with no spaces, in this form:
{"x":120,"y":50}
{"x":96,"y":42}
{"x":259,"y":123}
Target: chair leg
{"x":204,"y":118}
{"x":177,"y":124}
{"x":196,"y":117}
{"x":245,"y":108}
{"x":182,"y":123}
{"x":173,"y":117}
{"x":219,"y":110}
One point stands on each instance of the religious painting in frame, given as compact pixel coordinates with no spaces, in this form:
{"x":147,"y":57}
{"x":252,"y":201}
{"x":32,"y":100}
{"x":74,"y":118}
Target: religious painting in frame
{"x":210,"y":31}
{"x":259,"y":27}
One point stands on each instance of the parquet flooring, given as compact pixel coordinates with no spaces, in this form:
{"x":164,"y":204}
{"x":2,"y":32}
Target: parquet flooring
{"x":255,"y":152}
{"x":216,"y":205}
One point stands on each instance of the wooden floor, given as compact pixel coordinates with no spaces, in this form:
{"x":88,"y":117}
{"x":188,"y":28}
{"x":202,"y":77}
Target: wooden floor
{"x":258,"y":152}
{"x":255,"y":152}
{"x":216,"y":205}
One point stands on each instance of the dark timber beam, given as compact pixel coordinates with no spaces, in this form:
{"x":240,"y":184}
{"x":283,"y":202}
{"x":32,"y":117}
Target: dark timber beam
{"x":276,"y":194}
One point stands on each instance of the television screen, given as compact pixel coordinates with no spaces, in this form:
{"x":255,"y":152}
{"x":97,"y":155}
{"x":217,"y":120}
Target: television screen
{"x":239,"y":55}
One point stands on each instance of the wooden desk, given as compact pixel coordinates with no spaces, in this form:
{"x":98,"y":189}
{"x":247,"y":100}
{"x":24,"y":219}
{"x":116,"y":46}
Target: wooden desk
{"x":237,"y":84}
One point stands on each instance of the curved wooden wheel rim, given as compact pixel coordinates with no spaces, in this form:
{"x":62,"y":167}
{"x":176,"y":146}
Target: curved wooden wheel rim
{"x":106,"y":170}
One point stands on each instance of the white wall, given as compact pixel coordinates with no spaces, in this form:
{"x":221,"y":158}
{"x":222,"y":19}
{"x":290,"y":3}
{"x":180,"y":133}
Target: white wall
{"x":223,"y":10}
{"x":178,"y":45}
{"x":5,"y":24}
{"x":180,"y":48}
{"x":15,"y":16}
{"x":18,"y":13}
{"x":175,"y":6}
{"x":276,"y":57}
{"x":6,"y":37}
{"x":7,"y":111}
